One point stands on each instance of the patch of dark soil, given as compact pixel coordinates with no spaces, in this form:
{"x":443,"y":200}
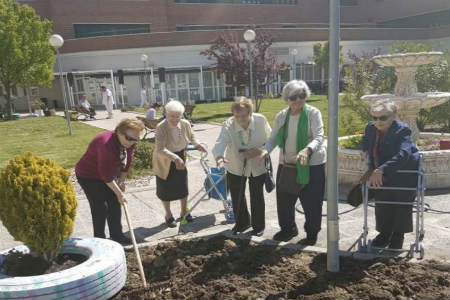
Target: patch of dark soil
{"x":224,"y":268}
{"x":19,"y":264}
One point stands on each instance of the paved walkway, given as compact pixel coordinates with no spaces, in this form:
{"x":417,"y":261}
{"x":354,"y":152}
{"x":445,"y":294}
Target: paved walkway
{"x":148,"y":214}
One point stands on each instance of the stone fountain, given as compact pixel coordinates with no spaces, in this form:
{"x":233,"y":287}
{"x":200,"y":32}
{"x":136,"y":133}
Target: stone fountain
{"x":409,"y":102}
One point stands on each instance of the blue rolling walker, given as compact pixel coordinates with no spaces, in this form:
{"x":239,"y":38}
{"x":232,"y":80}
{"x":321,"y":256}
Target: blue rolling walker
{"x":214,"y":187}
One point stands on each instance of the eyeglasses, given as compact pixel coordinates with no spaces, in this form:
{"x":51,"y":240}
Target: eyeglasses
{"x":130,"y":139}
{"x":293,"y":98}
{"x":380,"y":118}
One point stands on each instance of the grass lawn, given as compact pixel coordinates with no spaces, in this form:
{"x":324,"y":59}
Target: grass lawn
{"x":220,"y":111}
{"x":45,"y":136}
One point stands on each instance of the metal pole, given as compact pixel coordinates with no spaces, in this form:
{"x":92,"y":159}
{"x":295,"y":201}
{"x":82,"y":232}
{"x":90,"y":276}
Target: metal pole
{"x":66,"y":108}
{"x":294,"y":71}
{"x":146,"y":83}
{"x":332,"y":158}
{"x":251,"y":70}
{"x":121,"y":94}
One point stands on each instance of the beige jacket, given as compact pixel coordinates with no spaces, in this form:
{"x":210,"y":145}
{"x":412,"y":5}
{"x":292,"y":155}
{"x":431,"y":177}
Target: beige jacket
{"x":163,"y":153}
{"x":231,"y":140}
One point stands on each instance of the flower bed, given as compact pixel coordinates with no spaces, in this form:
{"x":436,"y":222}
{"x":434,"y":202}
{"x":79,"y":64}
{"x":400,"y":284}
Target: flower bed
{"x":224,"y":268}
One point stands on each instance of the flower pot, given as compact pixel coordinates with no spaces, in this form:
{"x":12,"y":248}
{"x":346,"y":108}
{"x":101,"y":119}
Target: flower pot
{"x":444,"y":144}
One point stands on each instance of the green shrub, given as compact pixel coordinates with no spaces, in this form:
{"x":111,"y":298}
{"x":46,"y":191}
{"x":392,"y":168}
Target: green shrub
{"x":38,"y":204}
{"x":354,"y":143}
{"x":142,"y":163}
{"x":128,"y":108}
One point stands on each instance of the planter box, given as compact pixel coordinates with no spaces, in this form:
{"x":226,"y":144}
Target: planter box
{"x":436,"y":165}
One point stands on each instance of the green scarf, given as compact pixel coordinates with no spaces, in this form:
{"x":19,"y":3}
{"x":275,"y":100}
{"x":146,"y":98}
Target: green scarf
{"x":302,"y":141}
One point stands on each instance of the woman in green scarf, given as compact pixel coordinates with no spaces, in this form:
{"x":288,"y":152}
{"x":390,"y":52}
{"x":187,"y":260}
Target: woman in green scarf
{"x":298,"y":132}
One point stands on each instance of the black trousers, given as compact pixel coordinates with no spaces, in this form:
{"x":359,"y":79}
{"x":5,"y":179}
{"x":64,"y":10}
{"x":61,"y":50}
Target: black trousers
{"x":394,"y":217}
{"x":241,"y":214}
{"x":104,"y":206}
{"x":311,"y":198}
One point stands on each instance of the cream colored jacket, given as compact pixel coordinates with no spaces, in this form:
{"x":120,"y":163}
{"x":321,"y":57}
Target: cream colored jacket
{"x":233,"y":137}
{"x":163,"y":153}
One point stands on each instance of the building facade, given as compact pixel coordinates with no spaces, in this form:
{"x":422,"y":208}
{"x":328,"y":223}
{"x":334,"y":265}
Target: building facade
{"x":103,"y":36}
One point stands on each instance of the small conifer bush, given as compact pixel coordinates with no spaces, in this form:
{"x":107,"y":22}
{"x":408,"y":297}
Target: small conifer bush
{"x":37,"y":203}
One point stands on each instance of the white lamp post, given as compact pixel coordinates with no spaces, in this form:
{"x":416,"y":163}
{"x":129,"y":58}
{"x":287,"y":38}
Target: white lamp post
{"x":249,"y":36}
{"x":294,"y":52}
{"x":144,"y":59}
{"x":56,"y":41}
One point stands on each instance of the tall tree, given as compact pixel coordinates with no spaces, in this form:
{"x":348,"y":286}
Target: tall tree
{"x":231,"y":59}
{"x":321,"y":54}
{"x":26,"y":57}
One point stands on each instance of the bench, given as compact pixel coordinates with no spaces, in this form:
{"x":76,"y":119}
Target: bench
{"x":150,"y":124}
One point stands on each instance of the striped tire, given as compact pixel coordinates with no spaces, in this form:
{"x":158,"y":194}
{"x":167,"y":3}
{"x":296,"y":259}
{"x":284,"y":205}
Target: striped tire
{"x":101,"y":276}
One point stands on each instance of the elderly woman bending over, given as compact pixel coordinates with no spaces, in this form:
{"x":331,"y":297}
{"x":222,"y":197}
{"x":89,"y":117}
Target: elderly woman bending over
{"x":298,"y":132}
{"x":240,"y":146}
{"x":171,"y":138}
{"x":388,"y":145}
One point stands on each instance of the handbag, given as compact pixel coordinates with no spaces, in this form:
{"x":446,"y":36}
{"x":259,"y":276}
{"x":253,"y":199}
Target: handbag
{"x":287,"y":180}
{"x":355,"y":196}
{"x":269,"y":183}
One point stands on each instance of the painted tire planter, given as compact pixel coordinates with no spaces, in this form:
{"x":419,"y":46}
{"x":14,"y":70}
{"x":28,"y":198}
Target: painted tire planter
{"x":101,"y":276}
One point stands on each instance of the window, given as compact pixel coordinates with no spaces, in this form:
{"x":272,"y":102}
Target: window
{"x":349,"y":2}
{"x":91,"y":30}
{"x":438,"y":18}
{"x":277,"y":2}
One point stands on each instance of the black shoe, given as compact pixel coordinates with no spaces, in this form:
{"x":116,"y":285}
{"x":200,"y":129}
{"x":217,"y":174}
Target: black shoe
{"x":284,"y":236}
{"x":257,"y":232}
{"x":239,"y":229}
{"x":381,"y":240}
{"x":122,"y":239}
{"x":310,"y":240}
{"x":397,"y":240}
{"x":170,"y":222}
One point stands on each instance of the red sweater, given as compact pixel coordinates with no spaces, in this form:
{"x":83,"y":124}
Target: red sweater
{"x":102,"y":158}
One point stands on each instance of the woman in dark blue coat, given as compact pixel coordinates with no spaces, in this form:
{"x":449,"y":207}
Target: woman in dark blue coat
{"x":388,"y":145}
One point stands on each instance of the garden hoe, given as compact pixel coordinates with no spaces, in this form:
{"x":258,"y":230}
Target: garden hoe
{"x":136,"y":250}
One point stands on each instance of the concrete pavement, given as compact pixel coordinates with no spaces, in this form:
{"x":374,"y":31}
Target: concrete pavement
{"x":148,"y":215}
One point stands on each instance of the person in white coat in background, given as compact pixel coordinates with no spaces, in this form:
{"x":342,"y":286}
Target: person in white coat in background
{"x":107,"y":100}
{"x":144,"y":100}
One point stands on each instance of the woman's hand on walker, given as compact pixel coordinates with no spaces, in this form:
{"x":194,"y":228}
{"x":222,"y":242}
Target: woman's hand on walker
{"x":376,"y":179}
{"x":220,"y":161}
{"x":200,"y":148}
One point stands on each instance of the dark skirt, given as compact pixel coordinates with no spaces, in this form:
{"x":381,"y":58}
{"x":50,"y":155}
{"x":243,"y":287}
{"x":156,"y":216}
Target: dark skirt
{"x":394,"y":217}
{"x":175,"y":187}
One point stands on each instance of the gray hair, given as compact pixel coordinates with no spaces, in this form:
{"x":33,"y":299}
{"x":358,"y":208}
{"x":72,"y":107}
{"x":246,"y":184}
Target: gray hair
{"x":174,"y":106}
{"x":385,"y":104}
{"x":294,"y":87}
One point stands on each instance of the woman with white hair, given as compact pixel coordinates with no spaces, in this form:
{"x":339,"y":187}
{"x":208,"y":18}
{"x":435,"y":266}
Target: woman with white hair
{"x":171,"y":138}
{"x":298,"y":132}
{"x":388,"y":145}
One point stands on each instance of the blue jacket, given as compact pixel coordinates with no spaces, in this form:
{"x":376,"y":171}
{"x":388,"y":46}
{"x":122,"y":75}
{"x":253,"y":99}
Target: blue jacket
{"x":397,"y":152}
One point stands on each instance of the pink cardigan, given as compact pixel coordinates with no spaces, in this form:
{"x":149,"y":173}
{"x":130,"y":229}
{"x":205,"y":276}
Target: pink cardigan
{"x":102,"y":158}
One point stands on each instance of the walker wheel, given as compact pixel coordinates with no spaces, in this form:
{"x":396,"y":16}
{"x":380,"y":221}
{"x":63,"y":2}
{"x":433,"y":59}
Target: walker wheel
{"x":422,"y":252}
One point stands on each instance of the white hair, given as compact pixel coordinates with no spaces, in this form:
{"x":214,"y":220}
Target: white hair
{"x":174,"y":106}
{"x":294,"y":87}
{"x":385,"y":104}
